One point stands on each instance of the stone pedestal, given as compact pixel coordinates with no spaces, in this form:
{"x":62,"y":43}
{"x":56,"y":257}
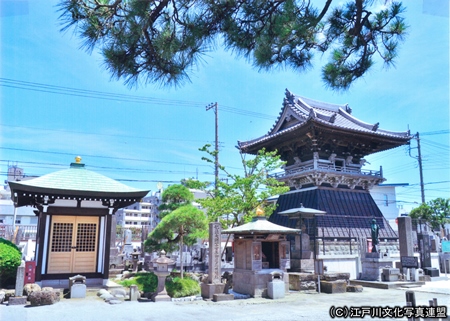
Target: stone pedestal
{"x":254,"y":283}
{"x":208,"y":290}
{"x":17,"y":300}
{"x":162,"y":293}
{"x":78,"y":291}
{"x":223,"y":297}
{"x":339,"y":286}
{"x":372,"y":264}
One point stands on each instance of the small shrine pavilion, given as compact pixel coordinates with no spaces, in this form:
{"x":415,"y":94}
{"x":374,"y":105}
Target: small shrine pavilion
{"x":324,"y":147}
{"x":260,"y":252}
{"x":74,"y":209}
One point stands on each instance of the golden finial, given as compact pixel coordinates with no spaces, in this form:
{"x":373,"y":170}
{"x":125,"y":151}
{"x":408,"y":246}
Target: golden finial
{"x":259,"y":211}
{"x":78,"y":159}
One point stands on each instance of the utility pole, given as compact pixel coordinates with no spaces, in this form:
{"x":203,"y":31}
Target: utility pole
{"x":216,"y":161}
{"x":419,"y":156}
{"x":419,"y":159}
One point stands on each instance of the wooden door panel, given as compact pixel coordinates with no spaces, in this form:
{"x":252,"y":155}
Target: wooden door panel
{"x":61,"y":239}
{"x":73,"y":244}
{"x":85,"y":255}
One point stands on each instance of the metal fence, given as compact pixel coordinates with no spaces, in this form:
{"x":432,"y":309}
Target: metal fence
{"x":23,"y":232}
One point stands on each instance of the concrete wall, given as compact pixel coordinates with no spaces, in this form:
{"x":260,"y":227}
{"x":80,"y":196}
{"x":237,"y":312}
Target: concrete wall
{"x":351,"y":263}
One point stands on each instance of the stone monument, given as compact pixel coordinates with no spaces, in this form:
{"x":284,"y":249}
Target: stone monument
{"x":405,"y":238}
{"x":214,"y":284}
{"x":374,"y":262}
{"x":374,"y":229}
{"x":19,"y":299}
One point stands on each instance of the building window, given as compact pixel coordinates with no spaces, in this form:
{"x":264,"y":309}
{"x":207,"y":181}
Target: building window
{"x":17,"y":221}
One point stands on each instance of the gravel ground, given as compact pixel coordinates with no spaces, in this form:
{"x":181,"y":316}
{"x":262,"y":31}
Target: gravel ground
{"x":294,"y":306}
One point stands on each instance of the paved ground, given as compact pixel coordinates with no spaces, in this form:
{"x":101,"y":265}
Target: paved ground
{"x":295,"y":306}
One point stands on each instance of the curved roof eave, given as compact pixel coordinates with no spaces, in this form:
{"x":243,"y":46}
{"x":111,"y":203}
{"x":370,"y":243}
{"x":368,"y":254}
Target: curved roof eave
{"x":397,"y":136}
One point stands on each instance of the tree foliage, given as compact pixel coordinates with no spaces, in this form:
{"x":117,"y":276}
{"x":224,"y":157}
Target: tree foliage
{"x":10,"y":259}
{"x":173,"y":197}
{"x":436,"y":213}
{"x":182,"y":223}
{"x":161,"y":41}
{"x":238,"y":197}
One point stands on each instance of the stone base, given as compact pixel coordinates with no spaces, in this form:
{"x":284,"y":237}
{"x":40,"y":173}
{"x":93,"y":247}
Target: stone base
{"x":354,"y":288}
{"x":276,"y":289}
{"x":302,"y":265}
{"x":424,"y":278}
{"x":371,"y":266}
{"x":254,"y":283}
{"x":208,"y":290}
{"x":222,"y":297}
{"x":335,"y":276}
{"x":78,"y":291}
{"x":161,"y":298}
{"x":17,"y":300}
{"x":333,"y":286}
{"x":302,"y":281}
{"x":431,"y":272}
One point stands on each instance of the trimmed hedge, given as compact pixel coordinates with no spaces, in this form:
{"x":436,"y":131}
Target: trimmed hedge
{"x":178,"y":288}
{"x":146,"y":282}
{"x":10,"y":259}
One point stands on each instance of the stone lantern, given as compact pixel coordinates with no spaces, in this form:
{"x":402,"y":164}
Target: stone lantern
{"x":162,"y":271}
{"x":135,"y":259}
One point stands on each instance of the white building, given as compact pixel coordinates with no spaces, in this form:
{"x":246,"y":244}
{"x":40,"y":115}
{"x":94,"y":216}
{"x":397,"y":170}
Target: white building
{"x":142,"y":214}
{"x":386,"y":199}
{"x":11,"y":217}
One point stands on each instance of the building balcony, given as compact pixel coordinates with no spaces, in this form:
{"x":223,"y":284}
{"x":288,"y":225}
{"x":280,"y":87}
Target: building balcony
{"x":317,"y":172}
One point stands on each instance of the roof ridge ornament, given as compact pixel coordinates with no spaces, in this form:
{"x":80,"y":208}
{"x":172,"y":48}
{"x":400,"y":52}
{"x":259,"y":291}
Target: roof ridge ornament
{"x":348,"y":109}
{"x":333,"y":118}
{"x":78,"y":163}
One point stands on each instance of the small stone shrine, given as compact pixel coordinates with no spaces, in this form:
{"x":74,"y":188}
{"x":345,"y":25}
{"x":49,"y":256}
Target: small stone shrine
{"x":302,"y":255}
{"x":261,"y":254}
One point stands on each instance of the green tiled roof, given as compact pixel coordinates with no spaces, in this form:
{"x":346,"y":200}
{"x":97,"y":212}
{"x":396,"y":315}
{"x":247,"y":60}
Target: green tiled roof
{"x":76,"y":180}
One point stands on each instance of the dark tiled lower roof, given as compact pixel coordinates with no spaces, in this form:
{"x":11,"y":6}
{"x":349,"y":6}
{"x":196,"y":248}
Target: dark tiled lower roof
{"x":349,"y":213}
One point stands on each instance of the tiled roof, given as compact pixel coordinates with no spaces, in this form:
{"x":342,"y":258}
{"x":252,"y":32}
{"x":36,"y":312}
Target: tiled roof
{"x":334,"y":116}
{"x":76,"y":180}
{"x":349,"y":212}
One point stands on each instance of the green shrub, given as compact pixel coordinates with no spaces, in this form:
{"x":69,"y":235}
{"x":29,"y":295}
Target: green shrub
{"x":177,"y":288}
{"x":146,"y":282}
{"x":10,"y":258}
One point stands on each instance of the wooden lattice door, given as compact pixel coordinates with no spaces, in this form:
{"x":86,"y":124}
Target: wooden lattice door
{"x":73,"y":244}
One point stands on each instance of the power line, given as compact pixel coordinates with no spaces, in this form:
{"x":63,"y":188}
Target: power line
{"x":69,"y":91}
{"x":98,"y":156}
{"x":109,"y":135}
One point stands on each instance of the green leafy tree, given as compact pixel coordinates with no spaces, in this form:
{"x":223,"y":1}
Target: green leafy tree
{"x":436,"y":213}
{"x":184,"y":224}
{"x":173,"y":197}
{"x":195,"y":184}
{"x":161,"y":41}
{"x":238,"y":197}
{"x":10,"y":259}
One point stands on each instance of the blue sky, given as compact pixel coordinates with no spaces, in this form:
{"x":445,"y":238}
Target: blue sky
{"x":57,"y":101}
